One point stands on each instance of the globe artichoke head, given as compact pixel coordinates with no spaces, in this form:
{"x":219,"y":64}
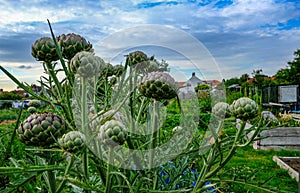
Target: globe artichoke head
{"x":244,"y":108}
{"x":158,"y":86}
{"x":85,"y":64}
{"x":44,"y":49}
{"x":113,"y":133}
{"x":72,"y":43}
{"x":221,"y":110}
{"x":41,"y":129}
{"x":73,"y":141}
{"x":136,"y":57}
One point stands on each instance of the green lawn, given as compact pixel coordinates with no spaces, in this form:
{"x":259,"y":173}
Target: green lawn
{"x":257,"y":166}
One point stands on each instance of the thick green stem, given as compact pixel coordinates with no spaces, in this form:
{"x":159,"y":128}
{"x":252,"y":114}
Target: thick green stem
{"x":154,"y":128}
{"x":109,"y":169}
{"x":51,"y":178}
{"x":62,"y":184}
{"x":231,"y":152}
{"x":84,"y":124}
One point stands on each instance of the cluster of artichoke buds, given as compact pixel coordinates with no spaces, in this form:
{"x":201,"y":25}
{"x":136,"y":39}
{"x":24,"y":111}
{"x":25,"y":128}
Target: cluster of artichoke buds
{"x":243,"y":108}
{"x":158,"y":86}
{"x":41,"y":129}
{"x":44,"y":49}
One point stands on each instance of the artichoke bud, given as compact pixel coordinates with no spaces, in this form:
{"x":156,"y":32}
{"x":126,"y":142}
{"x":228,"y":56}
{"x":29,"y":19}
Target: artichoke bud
{"x":39,"y":129}
{"x":136,"y":57}
{"x":158,"y":86}
{"x":113,"y":133}
{"x":73,"y":141}
{"x":244,"y":108}
{"x":44,"y":49}
{"x":86,"y":64}
{"x":72,"y":43}
{"x":221,"y":110}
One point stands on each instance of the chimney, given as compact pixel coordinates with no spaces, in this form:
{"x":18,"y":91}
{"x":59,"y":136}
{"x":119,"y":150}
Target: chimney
{"x":193,"y":74}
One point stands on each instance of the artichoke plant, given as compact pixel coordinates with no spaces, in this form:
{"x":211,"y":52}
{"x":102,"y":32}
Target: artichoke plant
{"x":221,"y":110}
{"x":73,"y":43}
{"x":73,"y":141}
{"x":113,"y":132}
{"x":244,"y":108}
{"x":44,"y":49}
{"x":158,"y":86}
{"x":86,"y":64}
{"x":41,"y":129}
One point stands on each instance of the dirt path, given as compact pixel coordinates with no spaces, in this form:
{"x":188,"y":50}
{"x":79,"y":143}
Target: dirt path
{"x":7,"y":122}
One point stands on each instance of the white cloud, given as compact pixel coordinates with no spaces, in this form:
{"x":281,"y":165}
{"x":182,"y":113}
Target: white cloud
{"x":240,"y":36}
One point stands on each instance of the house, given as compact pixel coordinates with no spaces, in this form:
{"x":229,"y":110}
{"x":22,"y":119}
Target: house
{"x":187,"y":89}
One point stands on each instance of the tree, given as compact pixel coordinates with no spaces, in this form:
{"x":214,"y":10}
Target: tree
{"x":290,"y":74}
{"x":244,"y":77}
{"x":202,"y":87}
{"x":294,"y":69}
{"x":282,"y":76}
{"x":232,"y":81}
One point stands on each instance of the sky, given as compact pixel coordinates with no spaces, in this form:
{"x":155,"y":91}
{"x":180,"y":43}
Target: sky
{"x":216,"y":39}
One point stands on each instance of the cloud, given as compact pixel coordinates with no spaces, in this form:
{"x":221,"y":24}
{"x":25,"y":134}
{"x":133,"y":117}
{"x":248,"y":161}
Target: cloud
{"x":240,"y":34}
{"x":24,"y":67}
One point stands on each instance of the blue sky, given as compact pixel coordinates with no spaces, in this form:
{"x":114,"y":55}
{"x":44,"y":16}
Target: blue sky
{"x":239,"y":35}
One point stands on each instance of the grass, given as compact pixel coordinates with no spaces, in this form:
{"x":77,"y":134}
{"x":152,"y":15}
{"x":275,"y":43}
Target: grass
{"x":257,"y":167}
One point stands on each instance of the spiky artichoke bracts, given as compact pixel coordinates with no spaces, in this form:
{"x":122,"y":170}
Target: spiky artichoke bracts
{"x":244,"y":108}
{"x":72,"y":43}
{"x":44,"y":49}
{"x":158,"y":86}
{"x":73,"y":141}
{"x":41,"y":129}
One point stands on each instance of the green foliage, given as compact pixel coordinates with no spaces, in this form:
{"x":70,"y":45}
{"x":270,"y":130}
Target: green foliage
{"x":232,"y":96}
{"x":204,"y":119}
{"x":202,"y":87}
{"x":10,"y":96}
{"x":290,"y":74}
{"x":256,"y":167}
{"x":205,"y":101}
